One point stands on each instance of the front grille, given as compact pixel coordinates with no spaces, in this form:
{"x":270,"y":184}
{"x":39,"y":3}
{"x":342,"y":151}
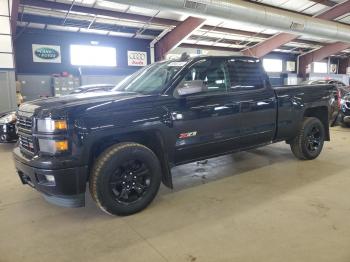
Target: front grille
{"x":24,"y":124}
{"x":26,"y":142}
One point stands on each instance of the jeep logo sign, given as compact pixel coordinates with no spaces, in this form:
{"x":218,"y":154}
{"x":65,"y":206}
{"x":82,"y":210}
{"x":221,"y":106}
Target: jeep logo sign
{"x":136,"y":58}
{"x":46,"y":53}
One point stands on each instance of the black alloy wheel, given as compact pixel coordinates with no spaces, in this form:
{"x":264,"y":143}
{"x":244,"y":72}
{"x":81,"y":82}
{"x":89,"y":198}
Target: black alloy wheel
{"x":125,"y":178}
{"x":313,"y":139}
{"x":309,"y":140}
{"x":130,"y":181}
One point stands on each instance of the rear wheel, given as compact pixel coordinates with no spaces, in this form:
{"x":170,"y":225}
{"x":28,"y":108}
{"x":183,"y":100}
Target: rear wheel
{"x":125,"y":178}
{"x":309,"y":141}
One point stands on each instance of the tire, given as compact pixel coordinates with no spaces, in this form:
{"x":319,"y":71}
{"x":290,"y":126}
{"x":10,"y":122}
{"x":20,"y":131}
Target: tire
{"x":125,"y":179}
{"x":308,"y":143}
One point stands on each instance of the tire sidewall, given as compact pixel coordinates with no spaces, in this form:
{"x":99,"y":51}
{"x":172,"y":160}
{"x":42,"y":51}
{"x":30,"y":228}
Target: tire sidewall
{"x":104,"y":195}
{"x":307,"y":128}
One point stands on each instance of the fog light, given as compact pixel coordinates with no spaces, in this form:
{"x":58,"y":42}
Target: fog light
{"x":50,"y":178}
{"x":53,"y":146}
{"x":62,"y":145}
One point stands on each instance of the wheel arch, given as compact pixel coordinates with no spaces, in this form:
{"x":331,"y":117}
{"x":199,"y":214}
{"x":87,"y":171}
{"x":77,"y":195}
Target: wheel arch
{"x":320,"y":112}
{"x":152,"y":139}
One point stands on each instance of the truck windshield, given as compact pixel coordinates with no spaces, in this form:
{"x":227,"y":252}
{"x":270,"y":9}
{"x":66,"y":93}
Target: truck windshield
{"x":151,"y":79}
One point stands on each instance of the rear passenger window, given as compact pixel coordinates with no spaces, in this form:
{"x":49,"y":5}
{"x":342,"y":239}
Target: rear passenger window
{"x":245,"y":74}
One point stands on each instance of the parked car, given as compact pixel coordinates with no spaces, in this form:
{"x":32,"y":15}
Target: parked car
{"x":93,"y":88}
{"x":123,"y":143}
{"x":344,"y":114}
{"x":335,"y":102}
{"x":8,"y":127}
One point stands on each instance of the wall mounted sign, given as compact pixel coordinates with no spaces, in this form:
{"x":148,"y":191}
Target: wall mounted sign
{"x":333,"y":68}
{"x":291,"y":66}
{"x":46,"y":53}
{"x":136,"y":58}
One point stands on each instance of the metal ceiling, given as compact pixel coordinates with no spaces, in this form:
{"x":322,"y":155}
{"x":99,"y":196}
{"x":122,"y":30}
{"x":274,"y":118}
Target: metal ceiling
{"x":104,"y":17}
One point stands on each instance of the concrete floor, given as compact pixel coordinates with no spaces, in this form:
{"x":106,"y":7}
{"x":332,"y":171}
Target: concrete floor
{"x":262,"y":205}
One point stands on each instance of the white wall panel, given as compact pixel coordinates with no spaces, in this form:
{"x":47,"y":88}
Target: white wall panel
{"x":6,"y":61}
{"x":4,"y":8}
{"x":4,"y":25}
{"x":7,"y":76}
{"x":7,"y":91}
{"x":5,"y":43}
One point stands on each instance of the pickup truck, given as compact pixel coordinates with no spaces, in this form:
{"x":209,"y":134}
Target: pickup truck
{"x":123,"y":143}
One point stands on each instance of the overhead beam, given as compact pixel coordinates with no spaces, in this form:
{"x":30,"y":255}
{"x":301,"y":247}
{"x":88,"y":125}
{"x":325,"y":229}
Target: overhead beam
{"x":175,"y":37}
{"x":318,"y":55}
{"x":49,"y":20}
{"x":280,"y":39}
{"x":98,"y":11}
{"x":269,"y":45}
{"x":335,"y":12}
{"x":249,"y":34}
{"x":325,"y":2}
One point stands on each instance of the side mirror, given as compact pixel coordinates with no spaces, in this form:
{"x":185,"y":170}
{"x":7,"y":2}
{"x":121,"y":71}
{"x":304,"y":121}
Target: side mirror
{"x":191,"y":87}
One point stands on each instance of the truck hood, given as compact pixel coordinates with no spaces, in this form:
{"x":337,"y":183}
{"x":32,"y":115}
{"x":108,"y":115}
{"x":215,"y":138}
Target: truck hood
{"x":60,"y":105}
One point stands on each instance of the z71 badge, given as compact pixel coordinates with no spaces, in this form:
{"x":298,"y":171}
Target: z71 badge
{"x":187,"y":135}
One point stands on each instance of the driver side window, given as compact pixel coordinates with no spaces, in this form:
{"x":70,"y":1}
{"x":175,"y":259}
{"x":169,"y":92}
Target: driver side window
{"x":211,"y":73}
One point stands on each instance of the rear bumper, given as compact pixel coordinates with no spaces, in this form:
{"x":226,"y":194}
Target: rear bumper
{"x":65,"y":187}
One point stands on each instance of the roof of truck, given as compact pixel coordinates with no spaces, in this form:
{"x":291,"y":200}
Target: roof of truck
{"x":222,"y":56}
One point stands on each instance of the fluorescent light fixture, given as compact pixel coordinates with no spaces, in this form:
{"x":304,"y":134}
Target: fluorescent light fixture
{"x":87,"y":55}
{"x":273,"y":65}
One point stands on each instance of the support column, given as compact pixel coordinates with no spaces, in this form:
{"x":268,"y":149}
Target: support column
{"x":7,"y":63}
{"x":175,"y":37}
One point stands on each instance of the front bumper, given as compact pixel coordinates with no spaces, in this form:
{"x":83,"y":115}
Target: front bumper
{"x":67,"y":189}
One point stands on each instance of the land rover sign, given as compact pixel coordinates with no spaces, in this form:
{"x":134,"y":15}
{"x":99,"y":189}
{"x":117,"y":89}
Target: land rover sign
{"x":46,"y":53}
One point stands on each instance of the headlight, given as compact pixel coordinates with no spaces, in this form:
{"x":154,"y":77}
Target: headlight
{"x":10,"y":118}
{"x":51,"y":126}
{"x":53,"y":146}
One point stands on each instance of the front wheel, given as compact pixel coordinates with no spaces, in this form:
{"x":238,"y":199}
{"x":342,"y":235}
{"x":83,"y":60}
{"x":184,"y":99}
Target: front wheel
{"x":125,"y":179}
{"x":309,"y":141}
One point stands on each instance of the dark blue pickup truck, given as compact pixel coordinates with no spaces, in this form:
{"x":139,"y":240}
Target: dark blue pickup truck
{"x":123,"y":143}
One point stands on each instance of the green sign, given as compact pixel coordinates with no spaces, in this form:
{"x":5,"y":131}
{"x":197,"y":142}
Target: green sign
{"x":46,"y":53}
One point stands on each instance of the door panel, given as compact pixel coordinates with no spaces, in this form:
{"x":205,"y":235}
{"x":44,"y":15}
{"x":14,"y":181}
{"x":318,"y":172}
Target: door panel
{"x":257,"y":101}
{"x":258,"y":118}
{"x":205,"y":125}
